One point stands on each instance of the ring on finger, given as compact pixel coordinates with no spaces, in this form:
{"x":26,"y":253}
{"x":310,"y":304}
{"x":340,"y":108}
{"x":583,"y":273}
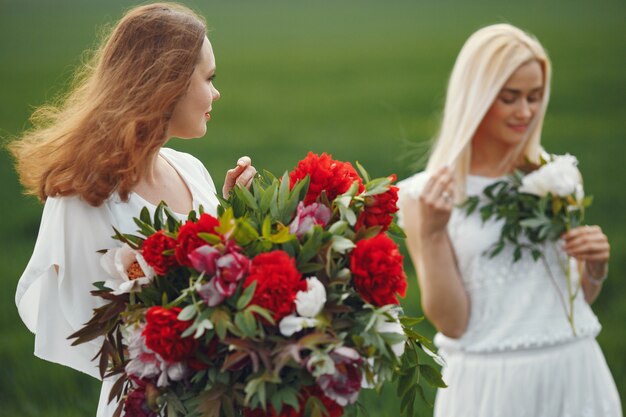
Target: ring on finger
{"x":446,"y":196}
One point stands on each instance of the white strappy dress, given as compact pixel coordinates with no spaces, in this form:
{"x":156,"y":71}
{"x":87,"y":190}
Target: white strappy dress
{"x":54,"y":305}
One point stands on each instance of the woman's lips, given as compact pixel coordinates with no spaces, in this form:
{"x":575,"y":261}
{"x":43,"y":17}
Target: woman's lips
{"x":519,"y":128}
{"x":207,"y":115}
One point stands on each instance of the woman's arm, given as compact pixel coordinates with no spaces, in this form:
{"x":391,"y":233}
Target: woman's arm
{"x":444,"y":299}
{"x":591,"y":246}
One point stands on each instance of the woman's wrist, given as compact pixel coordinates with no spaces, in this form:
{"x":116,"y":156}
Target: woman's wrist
{"x":596,"y":276}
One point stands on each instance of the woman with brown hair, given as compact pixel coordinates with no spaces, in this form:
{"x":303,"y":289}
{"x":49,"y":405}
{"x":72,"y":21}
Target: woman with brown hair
{"x":97,"y":158}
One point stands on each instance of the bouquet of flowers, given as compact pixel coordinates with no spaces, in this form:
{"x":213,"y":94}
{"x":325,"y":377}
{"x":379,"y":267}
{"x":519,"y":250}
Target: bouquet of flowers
{"x":286,"y":304}
{"x":537,"y":205}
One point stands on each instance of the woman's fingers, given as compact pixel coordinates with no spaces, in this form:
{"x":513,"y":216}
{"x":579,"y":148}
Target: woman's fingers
{"x":246,"y":177}
{"x":436,"y":202}
{"x":587,"y":243}
{"x":438,"y":190}
{"x":242,"y":173}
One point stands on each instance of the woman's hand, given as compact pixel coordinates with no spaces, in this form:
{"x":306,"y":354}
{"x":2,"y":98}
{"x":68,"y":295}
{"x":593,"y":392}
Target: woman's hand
{"x":589,"y":244}
{"x":444,"y":299}
{"x":242,"y":174}
{"x":436,"y":203}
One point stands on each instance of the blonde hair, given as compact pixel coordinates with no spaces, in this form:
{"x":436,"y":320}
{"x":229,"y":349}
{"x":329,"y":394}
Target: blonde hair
{"x":487,"y":60}
{"x":102,"y":134}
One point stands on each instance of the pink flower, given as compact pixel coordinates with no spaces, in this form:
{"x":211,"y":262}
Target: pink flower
{"x":203,"y":259}
{"x":228,"y":267}
{"x":210,"y":294}
{"x":231,"y":268}
{"x":343,"y":385}
{"x":309,"y":216}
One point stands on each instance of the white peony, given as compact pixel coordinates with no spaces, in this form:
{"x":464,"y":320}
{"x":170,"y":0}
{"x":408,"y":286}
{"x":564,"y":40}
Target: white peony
{"x":560,"y":177}
{"x":293,"y":324}
{"x":117,"y":263}
{"x":309,"y":303}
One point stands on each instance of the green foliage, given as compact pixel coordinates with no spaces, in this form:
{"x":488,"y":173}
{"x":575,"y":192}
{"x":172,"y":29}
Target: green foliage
{"x":527,"y":220}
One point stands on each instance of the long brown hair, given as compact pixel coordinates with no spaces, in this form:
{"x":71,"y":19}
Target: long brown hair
{"x":101,"y":136}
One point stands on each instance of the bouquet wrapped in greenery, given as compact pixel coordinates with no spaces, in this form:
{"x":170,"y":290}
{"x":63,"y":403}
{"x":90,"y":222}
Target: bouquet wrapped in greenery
{"x":537,"y":205}
{"x":284,"y":305}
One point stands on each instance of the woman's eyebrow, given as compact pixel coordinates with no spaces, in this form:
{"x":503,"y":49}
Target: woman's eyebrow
{"x":517,"y":91}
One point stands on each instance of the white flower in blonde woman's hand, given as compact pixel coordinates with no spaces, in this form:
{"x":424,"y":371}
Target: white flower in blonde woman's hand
{"x":559,"y":177}
{"x":127,"y":269}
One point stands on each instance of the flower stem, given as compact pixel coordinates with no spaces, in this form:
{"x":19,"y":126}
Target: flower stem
{"x":571,"y":295}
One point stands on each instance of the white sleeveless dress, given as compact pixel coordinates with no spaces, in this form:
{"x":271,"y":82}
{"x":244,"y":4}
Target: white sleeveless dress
{"x":518,"y":356}
{"x":52,"y":305}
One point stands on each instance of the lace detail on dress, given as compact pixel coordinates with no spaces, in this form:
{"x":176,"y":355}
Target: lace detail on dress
{"x":517,"y":305}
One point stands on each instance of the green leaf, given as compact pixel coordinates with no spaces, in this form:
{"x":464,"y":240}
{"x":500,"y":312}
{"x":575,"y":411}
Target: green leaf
{"x":261,"y":312}
{"x":269,"y":197}
{"x":377,"y":186}
{"x":144,"y":228}
{"x":307,"y":268}
{"x":282,"y":235}
{"x":396,"y":231}
{"x":221,"y":320}
{"x":245,"y":321}
{"x":348,"y":215}
{"x":144,"y":216}
{"x":410,"y":321}
{"x":246,"y":296}
{"x":244,"y":195}
{"x":188,"y":312}
{"x":338,"y":227}
{"x":517,"y":254}
{"x":266,"y":228}
{"x":341,"y":244}
{"x":210,"y":238}
{"x":534,"y":222}
{"x":363,"y":172}
{"x":244,"y":233}
{"x":432,"y":376}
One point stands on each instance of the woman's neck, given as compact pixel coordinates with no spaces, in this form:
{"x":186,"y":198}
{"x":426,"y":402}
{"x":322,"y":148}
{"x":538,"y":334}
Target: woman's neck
{"x":155,"y":170}
{"x":493,"y":159}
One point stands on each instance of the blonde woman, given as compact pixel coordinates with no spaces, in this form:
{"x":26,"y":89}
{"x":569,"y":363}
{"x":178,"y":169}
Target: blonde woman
{"x":501,"y":327}
{"x":97,"y":158}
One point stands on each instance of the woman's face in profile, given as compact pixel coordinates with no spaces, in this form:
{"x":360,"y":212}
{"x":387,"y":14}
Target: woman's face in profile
{"x":192,"y":112}
{"x":514,"y":109}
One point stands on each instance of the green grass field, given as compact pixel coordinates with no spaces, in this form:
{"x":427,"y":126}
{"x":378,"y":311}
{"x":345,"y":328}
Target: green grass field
{"x":362,"y":80}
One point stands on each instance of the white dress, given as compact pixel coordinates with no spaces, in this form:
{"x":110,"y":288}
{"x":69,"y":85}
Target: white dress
{"x":518,"y":356}
{"x":52,"y":305}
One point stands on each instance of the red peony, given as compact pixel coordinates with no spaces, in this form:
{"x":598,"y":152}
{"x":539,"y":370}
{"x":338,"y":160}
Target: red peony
{"x":377,"y":271}
{"x":335,"y":177}
{"x":188,"y":238}
{"x":163,"y":334}
{"x":332,"y":408}
{"x":152,"y":251}
{"x":379,"y":209}
{"x":277,"y":282}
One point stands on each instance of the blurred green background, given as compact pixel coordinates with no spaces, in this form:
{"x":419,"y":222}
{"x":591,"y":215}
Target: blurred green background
{"x":362,"y":80}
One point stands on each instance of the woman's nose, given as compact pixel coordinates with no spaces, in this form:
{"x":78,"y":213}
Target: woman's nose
{"x":215,"y":94}
{"x":524,"y":110}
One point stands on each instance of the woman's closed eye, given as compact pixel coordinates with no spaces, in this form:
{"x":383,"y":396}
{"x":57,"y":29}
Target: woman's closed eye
{"x":508,"y":98}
